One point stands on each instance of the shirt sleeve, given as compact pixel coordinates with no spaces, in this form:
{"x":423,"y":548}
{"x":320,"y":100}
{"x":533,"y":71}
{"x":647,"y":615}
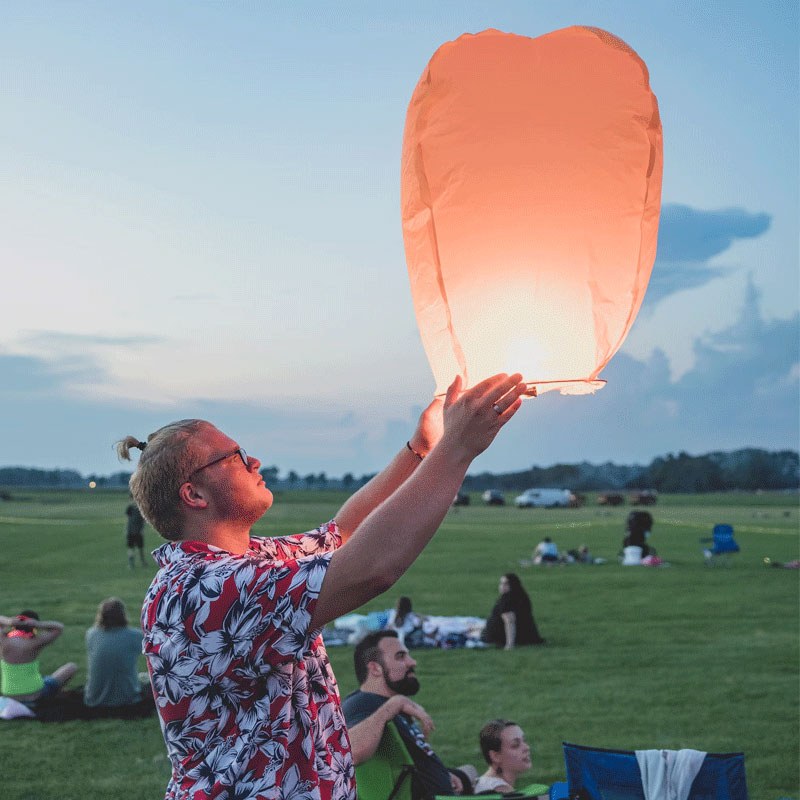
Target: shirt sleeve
{"x":358,"y":707}
{"x":323,"y":539}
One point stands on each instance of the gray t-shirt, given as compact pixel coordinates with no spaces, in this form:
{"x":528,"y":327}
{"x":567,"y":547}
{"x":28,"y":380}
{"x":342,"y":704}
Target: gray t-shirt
{"x":113,"y":678}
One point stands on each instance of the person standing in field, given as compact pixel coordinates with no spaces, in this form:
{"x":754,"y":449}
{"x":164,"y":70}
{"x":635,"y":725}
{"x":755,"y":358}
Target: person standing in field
{"x":133,"y":534}
{"x":248,"y":701}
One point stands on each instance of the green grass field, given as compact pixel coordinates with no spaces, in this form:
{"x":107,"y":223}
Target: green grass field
{"x":685,"y":656}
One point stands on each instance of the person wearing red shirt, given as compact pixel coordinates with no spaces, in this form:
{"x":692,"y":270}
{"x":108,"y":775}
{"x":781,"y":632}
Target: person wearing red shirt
{"x":248,"y":702}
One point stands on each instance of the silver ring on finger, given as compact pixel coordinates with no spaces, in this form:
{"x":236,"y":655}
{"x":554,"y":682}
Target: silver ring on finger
{"x":496,"y":409}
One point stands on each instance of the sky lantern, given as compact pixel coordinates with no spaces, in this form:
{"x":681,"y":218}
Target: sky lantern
{"x":531,"y":190}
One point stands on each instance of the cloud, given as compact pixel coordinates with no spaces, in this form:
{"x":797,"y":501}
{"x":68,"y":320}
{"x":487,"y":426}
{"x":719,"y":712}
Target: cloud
{"x":25,"y":374}
{"x":744,"y":390}
{"x":31,"y":375}
{"x":688,"y":238}
{"x":63,"y":338}
{"x":686,"y":234}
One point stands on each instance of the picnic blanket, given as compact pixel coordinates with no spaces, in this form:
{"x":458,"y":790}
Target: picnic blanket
{"x":439,"y":631}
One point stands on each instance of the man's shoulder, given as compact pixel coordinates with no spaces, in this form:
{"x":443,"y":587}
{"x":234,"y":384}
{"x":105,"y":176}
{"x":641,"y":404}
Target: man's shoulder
{"x":358,"y":705}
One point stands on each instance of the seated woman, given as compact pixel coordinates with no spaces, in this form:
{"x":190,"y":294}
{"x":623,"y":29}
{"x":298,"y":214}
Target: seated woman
{"x":22,"y":638}
{"x":506,"y":752}
{"x":511,"y":622}
{"x":113,"y":650}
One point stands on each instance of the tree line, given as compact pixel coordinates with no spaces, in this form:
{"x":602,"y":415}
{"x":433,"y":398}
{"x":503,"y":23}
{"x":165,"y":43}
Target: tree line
{"x":748,"y":470}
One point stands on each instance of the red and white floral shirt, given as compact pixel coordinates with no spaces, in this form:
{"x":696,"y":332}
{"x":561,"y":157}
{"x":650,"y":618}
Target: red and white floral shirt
{"x":248,"y":702}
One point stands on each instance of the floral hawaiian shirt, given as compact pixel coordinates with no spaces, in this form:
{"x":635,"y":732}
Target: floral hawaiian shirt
{"x":248,"y":702}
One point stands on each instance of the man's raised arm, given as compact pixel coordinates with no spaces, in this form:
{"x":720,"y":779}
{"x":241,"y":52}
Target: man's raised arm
{"x":400,"y":468}
{"x":386,"y":543}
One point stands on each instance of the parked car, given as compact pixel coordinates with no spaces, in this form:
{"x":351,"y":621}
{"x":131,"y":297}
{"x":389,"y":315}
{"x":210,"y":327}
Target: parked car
{"x":646,"y":497}
{"x":461,"y":499}
{"x":493,"y":498}
{"x":610,"y":499}
{"x":545,"y":498}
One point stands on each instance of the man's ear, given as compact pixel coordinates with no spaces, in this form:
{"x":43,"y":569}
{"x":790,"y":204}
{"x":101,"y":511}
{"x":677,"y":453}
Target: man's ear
{"x":192,"y":496}
{"x":374,"y":669}
{"x":494,"y":756}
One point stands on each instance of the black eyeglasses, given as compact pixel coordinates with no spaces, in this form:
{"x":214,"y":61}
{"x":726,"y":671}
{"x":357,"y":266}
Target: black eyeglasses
{"x":239,"y":450}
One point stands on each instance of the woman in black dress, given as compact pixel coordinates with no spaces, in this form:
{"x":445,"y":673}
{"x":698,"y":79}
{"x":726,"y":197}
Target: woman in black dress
{"x":511,"y":622}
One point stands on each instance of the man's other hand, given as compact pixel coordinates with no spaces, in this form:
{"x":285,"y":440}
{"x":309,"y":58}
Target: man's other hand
{"x":400,"y":704}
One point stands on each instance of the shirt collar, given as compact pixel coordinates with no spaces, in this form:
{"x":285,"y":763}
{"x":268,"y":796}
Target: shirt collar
{"x":172,"y":552}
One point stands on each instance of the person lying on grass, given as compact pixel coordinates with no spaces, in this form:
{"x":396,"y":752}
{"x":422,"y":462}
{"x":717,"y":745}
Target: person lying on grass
{"x":22,"y":639}
{"x":248,"y":702}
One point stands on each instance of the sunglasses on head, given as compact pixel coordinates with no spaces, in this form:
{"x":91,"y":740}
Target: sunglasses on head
{"x":239,"y":450}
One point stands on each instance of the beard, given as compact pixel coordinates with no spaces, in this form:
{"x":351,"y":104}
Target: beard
{"x":408,"y":685}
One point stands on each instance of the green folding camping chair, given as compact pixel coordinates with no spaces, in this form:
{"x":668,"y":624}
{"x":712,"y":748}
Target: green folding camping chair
{"x":388,"y":774}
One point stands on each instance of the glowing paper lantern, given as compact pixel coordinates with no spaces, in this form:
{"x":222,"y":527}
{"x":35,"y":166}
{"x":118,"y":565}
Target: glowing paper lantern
{"x":531,"y":189}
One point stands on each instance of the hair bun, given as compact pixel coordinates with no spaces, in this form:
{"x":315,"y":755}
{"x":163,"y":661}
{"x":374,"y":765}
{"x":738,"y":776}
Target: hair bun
{"x":141,"y":445}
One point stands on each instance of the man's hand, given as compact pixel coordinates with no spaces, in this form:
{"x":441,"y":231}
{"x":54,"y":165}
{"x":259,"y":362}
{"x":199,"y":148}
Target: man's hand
{"x":472,"y":418}
{"x":429,"y":428}
{"x":399,"y":704}
{"x":455,"y":783}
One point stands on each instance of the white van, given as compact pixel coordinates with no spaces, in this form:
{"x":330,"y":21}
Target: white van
{"x":545,"y":498}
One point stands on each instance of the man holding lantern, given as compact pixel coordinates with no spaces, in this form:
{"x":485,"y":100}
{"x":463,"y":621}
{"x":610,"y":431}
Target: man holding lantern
{"x":248,"y":702}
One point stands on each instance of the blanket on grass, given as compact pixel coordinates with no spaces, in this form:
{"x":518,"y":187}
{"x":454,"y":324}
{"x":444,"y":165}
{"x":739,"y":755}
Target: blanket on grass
{"x":446,"y":632}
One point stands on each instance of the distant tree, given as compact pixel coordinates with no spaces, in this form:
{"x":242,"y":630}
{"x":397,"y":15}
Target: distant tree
{"x":366,"y":478}
{"x":270,"y":475}
{"x":120,"y":479}
{"x":322,"y":480}
{"x":293,"y":478}
{"x":348,"y":480}
{"x":310,"y":480}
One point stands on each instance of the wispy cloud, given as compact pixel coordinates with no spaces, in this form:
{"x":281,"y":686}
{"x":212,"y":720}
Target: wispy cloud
{"x":688,"y":238}
{"x":45,"y":338}
{"x":688,"y":234}
{"x":31,"y":375}
{"x":743,"y":390}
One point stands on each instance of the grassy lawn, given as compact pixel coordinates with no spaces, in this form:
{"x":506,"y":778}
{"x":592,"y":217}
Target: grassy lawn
{"x":685,"y":656}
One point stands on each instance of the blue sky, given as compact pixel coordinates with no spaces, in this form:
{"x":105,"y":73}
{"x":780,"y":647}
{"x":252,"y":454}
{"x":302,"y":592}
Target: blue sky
{"x":201,"y":208}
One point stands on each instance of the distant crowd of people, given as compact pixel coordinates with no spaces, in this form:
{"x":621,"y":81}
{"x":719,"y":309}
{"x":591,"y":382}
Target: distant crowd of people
{"x":635,"y":548}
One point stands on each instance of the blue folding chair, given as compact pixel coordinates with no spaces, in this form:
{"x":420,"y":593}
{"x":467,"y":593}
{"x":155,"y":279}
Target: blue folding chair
{"x":559,"y":791}
{"x":723,"y":545}
{"x":594,"y":773}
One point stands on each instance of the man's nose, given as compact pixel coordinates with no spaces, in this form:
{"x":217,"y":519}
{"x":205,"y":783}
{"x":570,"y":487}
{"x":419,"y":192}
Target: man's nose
{"x":253,"y":463}
{"x":411,"y":662}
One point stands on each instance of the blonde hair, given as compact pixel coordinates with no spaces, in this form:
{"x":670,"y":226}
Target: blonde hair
{"x":165,"y":465}
{"x":111,"y":614}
